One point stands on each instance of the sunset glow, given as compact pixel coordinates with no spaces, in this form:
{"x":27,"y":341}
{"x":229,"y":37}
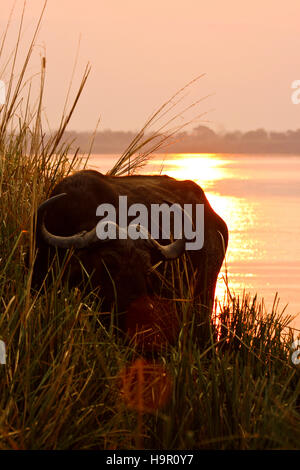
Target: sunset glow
{"x":203,"y":169}
{"x":150,"y":228}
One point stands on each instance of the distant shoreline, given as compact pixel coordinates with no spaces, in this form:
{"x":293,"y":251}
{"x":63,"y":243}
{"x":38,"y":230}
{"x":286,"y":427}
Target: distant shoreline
{"x":201,"y":140}
{"x":175,"y":152}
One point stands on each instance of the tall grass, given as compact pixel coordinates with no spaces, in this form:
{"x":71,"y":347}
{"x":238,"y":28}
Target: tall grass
{"x":64,"y":382}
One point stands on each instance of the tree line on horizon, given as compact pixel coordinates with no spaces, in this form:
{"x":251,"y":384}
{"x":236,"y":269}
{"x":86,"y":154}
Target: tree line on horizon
{"x":201,"y":139}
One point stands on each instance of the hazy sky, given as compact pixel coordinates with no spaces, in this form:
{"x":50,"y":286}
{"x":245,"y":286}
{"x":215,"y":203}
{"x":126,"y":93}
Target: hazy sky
{"x":141,"y":52}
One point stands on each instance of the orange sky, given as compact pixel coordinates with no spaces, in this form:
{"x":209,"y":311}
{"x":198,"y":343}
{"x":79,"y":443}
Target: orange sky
{"x":141,"y":52}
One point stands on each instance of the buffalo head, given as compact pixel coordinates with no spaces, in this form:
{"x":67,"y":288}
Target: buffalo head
{"x":121,"y":268}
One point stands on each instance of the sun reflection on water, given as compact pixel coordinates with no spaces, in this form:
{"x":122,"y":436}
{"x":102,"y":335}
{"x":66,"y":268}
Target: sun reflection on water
{"x":203,"y":169}
{"x":206,"y":170}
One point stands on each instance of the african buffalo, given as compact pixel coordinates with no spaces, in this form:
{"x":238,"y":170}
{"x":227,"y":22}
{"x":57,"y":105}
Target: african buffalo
{"x":120,"y":267}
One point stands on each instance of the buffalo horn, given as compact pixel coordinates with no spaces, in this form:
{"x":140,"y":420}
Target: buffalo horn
{"x":84,"y":239}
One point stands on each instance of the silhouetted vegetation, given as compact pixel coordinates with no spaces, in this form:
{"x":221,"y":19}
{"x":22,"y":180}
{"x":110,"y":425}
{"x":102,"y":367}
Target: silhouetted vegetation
{"x":201,"y":139}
